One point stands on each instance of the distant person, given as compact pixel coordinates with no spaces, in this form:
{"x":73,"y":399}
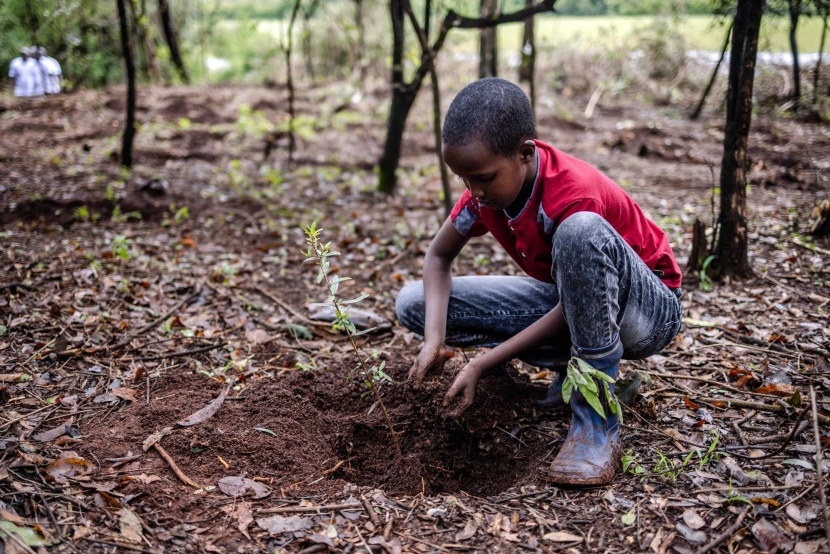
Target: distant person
{"x":19,"y":74}
{"x":51,"y":71}
{"x":35,"y":72}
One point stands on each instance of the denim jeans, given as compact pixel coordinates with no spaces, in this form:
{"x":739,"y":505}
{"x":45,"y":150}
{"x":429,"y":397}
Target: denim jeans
{"x":607,"y":292}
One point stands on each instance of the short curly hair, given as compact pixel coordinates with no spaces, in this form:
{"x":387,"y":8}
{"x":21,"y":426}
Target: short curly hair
{"x":494,"y":111}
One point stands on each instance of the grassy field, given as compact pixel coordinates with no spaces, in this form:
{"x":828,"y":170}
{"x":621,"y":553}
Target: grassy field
{"x":699,"y":32}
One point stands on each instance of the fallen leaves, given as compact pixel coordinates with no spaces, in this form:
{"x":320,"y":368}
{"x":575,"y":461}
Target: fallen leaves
{"x":63,"y":469}
{"x":241,"y":486}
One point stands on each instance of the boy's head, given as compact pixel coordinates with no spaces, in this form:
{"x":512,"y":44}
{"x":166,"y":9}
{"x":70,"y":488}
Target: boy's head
{"x":493,"y":111}
{"x":488,"y":142}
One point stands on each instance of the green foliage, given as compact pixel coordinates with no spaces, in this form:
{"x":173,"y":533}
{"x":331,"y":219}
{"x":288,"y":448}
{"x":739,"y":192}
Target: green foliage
{"x":319,"y":254}
{"x":121,"y":247}
{"x":592,"y":384}
{"x":630,"y":463}
{"x":706,"y":284}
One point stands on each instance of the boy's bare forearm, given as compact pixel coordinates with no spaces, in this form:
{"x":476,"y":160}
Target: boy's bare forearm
{"x":542,"y":332}
{"x":438,"y":281}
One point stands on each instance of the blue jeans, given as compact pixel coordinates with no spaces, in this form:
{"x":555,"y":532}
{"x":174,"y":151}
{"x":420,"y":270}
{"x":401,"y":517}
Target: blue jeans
{"x":607,"y":292}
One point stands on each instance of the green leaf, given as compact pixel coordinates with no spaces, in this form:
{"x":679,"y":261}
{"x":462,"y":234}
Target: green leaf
{"x":602,"y":377}
{"x":799,"y":463}
{"x":266,"y":431}
{"x":593,"y":400}
{"x":629,"y":517}
{"x":26,"y":534}
{"x":591,"y":385}
{"x":567,"y":389}
{"x":355,"y":300}
{"x":3,"y":330}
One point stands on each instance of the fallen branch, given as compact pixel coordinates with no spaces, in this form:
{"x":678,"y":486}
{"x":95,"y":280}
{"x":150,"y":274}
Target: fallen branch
{"x":179,"y":473}
{"x":303,"y":509}
{"x":819,"y":460}
{"x":726,"y":534}
{"x":279,"y":302}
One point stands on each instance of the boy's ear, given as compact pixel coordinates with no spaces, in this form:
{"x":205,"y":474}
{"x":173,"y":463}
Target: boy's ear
{"x":527,"y":150}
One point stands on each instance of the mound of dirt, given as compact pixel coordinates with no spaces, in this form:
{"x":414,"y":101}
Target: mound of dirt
{"x":313,"y":431}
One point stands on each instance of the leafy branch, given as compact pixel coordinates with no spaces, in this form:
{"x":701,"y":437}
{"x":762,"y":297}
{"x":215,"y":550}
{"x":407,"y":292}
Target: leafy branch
{"x":589,"y":382}
{"x":319,"y":253}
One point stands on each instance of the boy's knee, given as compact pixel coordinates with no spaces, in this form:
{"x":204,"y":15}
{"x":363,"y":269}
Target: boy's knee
{"x":577,"y":228}
{"x":409,"y":306}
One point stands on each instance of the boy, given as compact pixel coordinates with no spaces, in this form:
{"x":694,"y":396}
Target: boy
{"x":603,"y":282}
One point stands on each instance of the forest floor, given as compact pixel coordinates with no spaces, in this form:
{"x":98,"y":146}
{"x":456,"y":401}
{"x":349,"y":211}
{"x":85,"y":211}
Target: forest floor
{"x":131,"y":300}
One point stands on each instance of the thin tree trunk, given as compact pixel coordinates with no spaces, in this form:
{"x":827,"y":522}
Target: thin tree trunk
{"x":292,"y":141}
{"x":732,"y":245}
{"x":362,"y":61}
{"x":129,"y":125}
{"x":527,"y":69}
{"x":487,"y":46}
{"x":714,"y":77}
{"x":172,"y":40}
{"x":817,"y":70}
{"x":795,"y":13}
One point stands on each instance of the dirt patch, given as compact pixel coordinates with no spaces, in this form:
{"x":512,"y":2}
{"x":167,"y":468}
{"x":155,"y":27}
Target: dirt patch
{"x":293,"y":429}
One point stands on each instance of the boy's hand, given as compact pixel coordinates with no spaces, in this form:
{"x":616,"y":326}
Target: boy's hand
{"x":465,"y":383}
{"x":431,"y":358}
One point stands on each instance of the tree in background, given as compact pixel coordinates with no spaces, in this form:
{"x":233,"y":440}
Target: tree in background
{"x":488,"y":45}
{"x":527,"y":68}
{"x":129,"y":124}
{"x":732,"y":246}
{"x":172,"y":38}
{"x":404,"y":94}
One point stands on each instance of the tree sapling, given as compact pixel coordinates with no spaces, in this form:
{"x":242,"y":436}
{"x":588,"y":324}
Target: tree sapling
{"x":318,"y":253}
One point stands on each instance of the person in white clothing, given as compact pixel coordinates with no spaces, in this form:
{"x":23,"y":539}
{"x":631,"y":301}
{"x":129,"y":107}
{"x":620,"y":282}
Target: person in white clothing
{"x":19,"y":74}
{"x":35,"y":70}
{"x":51,"y":72}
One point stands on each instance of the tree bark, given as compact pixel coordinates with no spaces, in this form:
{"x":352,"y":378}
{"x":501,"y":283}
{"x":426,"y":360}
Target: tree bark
{"x":817,"y":70}
{"x":795,"y":13}
{"x":172,"y":40}
{"x":404,"y":94}
{"x":732,"y":246}
{"x":527,"y":69}
{"x":129,"y":125}
{"x":488,"y":42}
{"x":292,"y":141}
{"x":696,"y":113}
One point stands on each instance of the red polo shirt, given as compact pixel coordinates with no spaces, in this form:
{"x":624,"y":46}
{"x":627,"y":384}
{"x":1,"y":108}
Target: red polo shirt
{"x":564,"y":186}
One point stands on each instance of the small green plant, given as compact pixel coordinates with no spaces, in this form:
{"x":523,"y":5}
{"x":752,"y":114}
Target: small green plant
{"x":706,"y":284}
{"x":82,"y":213}
{"x":593,"y":384}
{"x":630,"y":463}
{"x":121,"y":247}
{"x":319,"y":253}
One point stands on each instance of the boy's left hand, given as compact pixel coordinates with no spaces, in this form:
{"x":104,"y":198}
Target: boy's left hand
{"x":465,"y":383}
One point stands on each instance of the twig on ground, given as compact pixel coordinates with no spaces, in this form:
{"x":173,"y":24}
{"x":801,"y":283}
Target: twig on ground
{"x":182,"y":477}
{"x":789,"y":438}
{"x":370,"y":510}
{"x":726,"y":534}
{"x":735,"y":403}
{"x":302,"y":509}
{"x":819,"y":460}
{"x":279,"y":302}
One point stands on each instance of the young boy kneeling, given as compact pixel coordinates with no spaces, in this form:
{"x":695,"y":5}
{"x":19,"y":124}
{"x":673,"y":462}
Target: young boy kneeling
{"x":603,"y":282}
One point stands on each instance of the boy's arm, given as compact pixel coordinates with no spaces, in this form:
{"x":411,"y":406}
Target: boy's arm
{"x":437,"y":287}
{"x":544,"y":331}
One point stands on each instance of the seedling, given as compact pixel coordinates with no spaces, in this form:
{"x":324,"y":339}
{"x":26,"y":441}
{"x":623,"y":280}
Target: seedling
{"x":319,"y":253}
{"x":587,"y":380}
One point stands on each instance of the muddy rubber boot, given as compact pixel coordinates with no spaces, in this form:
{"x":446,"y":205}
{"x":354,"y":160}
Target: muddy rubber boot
{"x":591,"y":452}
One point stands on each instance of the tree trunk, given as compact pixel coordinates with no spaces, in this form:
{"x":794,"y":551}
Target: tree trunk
{"x":292,"y":141}
{"x":362,"y":61}
{"x":129,"y":126}
{"x":706,"y":92}
{"x":527,"y":69}
{"x":732,"y":244}
{"x":817,"y":70}
{"x":795,"y":13}
{"x":172,"y":40}
{"x":487,"y":43}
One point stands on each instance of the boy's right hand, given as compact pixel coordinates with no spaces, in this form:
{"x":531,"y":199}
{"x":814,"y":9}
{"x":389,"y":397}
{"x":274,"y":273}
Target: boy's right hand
{"x":431,"y":358}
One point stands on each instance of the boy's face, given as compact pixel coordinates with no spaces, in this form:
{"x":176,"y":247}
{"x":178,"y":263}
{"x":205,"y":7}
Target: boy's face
{"x":494,"y":180}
